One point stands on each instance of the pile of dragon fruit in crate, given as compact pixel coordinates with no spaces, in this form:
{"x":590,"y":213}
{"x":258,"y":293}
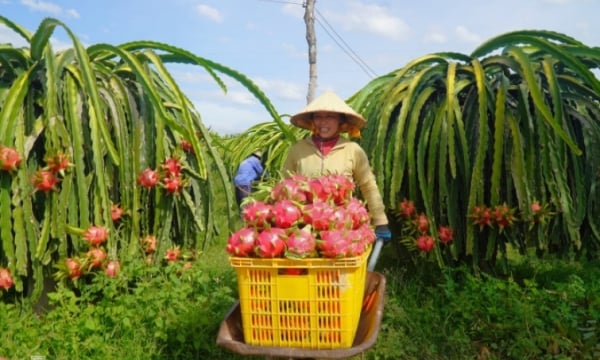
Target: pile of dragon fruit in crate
{"x":305,"y":218}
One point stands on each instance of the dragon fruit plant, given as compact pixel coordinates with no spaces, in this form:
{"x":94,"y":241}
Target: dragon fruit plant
{"x":304,"y":217}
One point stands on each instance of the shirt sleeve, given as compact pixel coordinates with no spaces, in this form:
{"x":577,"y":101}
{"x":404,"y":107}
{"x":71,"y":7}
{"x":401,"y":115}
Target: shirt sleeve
{"x":365,"y":180}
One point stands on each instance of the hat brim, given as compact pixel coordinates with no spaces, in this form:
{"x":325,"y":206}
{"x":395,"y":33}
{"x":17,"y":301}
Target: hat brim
{"x":328,"y":102}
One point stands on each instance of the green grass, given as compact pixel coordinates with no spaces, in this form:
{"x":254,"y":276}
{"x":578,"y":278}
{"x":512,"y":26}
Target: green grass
{"x":544,"y":309}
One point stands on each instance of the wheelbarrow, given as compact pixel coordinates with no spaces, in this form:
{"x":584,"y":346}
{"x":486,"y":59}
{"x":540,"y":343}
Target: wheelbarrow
{"x":231,"y":335}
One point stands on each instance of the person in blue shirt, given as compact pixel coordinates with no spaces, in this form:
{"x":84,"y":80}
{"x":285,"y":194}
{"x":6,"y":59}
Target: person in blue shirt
{"x":249,"y":170}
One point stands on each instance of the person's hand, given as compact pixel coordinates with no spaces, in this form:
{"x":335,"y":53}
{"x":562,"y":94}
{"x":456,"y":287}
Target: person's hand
{"x":383,"y":232}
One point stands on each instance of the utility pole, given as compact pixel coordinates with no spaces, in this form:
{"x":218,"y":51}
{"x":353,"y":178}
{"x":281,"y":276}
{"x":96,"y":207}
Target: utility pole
{"x":311,"y":38}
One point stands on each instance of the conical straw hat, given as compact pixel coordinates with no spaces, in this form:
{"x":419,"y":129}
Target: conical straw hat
{"x":327,"y":102}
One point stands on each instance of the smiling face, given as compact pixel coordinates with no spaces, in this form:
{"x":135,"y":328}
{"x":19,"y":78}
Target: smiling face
{"x":327,"y":124}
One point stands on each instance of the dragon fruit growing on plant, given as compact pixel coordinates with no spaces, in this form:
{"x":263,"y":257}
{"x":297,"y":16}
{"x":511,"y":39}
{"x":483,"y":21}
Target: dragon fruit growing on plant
{"x":304,"y":217}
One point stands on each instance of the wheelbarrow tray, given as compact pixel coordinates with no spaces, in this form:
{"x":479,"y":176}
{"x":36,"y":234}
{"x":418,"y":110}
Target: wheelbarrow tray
{"x":231,"y":334}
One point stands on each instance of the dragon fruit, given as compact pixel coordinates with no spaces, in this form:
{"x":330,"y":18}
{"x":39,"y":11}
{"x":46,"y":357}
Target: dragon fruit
{"x":270,"y":243}
{"x":301,"y":243}
{"x":289,"y":189}
{"x":285,"y":214}
{"x":242,"y":242}
{"x":305,"y":217}
{"x":333,"y":243}
{"x":317,"y":215}
{"x":257,"y":214}
{"x":358,"y":212}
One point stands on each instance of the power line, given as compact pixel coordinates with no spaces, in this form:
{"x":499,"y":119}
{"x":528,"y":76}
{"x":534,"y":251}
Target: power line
{"x":341,"y":43}
{"x":346,"y":48}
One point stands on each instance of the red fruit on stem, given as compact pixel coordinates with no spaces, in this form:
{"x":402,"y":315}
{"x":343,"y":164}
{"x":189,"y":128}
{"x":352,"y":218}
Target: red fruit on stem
{"x":446,"y":234}
{"x":45,"y":180}
{"x":149,"y":244}
{"x":482,"y":216}
{"x":9,"y":158}
{"x":422,"y":223}
{"x":187,"y":146}
{"x":58,"y":162}
{"x":73,"y":268}
{"x":407,"y":209}
{"x":115,"y":212}
{"x":173,"y":254}
{"x":425,"y":243}
{"x":503,"y":216}
{"x":148,"y":178}
{"x":6,"y":279}
{"x":112,"y":268}
{"x":173,"y":184}
{"x":536,"y":207}
{"x":172,"y":167}
{"x":95,"y":235}
{"x":96,"y":257}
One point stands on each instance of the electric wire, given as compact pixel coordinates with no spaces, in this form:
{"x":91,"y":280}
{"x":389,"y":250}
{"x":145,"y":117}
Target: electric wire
{"x":346,"y":48}
{"x":341,"y":43}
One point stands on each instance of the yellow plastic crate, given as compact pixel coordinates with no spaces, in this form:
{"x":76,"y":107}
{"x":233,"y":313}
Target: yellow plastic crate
{"x":308,"y":303}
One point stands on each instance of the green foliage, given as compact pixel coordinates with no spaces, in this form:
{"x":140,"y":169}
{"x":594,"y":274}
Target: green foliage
{"x":149,"y":311}
{"x":111,"y":112}
{"x":547,"y":309}
{"x":539,"y":313}
{"x":516,"y":122}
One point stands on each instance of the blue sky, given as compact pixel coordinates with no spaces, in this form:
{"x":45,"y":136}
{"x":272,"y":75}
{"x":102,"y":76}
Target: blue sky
{"x":265,"y":39}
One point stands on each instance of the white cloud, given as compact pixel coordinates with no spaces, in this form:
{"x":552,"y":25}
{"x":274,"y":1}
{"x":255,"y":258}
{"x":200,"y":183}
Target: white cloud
{"x":227,"y":119}
{"x":436,"y":37}
{"x":50,"y":8}
{"x":282,"y":89}
{"x":371,"y":18}
{"x":210,"y":13}
{"x":72,"y":13}
{"x":465,"y":35}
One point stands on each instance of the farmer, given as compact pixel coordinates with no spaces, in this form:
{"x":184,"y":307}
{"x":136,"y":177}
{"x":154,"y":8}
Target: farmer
{"x":249,"y":171}
{"x":326,"y":151}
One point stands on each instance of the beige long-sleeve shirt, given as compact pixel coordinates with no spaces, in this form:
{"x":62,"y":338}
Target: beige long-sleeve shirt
{"x":346,"y":157}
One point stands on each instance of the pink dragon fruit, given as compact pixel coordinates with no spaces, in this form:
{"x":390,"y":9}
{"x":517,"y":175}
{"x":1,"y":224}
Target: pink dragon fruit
{"x":340,"y":219}
{"x":301,"y":243}
{"x":289,"y":189}
{"x":285,"y":214}
{"x":358,"y":212}
{"x":318,"y":215}
{"x":257,"y":214}
{"x":333,"y":243}
{"x":366,"y":233}
{"x":270,"y":243}
{"x":242,"y":242}
{"x":344,"y":186}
